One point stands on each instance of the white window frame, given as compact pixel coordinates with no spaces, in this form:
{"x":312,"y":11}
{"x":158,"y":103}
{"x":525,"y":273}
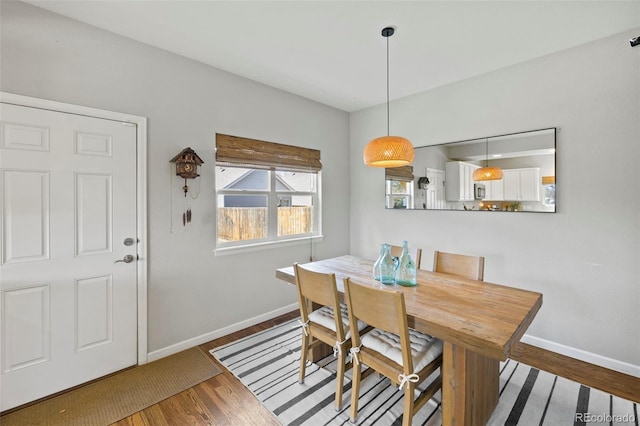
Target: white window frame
{"x":272,"y":214}
{"x":390,"y":195}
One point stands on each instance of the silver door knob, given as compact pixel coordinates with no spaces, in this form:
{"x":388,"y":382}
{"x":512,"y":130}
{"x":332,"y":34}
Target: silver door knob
{"x":127,"y":259}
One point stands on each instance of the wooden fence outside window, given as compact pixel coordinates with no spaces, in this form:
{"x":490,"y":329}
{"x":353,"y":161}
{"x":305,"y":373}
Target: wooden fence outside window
{"x":250,"y":223}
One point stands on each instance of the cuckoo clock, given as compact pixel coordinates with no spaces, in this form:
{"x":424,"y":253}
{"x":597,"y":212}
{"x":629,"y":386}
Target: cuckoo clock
{"x":187,"y":162}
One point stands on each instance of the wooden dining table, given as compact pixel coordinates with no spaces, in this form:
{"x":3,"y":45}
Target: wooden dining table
{"x":477,"y":321}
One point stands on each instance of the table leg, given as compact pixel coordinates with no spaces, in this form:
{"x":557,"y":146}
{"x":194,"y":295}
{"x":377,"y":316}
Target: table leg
{"x":470,"y":384}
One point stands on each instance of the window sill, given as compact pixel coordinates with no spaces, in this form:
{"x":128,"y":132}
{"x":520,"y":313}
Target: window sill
{"x":246,"y":248}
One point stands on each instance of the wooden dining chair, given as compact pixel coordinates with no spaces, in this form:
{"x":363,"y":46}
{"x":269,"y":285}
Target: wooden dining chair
{"x":459,"y":264}
{"x":319,"y":302}
{"x":415,"y":253}
{"x":405,"y":356}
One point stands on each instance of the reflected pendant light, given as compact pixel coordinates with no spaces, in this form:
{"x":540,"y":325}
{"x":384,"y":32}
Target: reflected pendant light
{"x":388,"y":151}
{"x":486,"y":172}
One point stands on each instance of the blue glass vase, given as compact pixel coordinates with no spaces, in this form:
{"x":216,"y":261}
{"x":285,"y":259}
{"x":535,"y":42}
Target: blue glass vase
{"x":406,"y":274}
{"x":387,"y":266}
{"x":376,"y":266}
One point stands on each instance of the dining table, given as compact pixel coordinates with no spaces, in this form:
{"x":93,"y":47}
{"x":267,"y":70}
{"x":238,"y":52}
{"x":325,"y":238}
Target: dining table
{"x":477,"y":321}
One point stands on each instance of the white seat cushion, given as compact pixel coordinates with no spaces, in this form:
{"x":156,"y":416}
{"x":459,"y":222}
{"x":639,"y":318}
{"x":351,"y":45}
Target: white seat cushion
{"x":324,"y":317}
{"x":424,"y":348}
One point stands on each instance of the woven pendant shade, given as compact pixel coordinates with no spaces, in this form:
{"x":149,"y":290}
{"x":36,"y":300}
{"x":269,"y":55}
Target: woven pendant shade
{"x":388,"y":151}
{"x":487,"y":173}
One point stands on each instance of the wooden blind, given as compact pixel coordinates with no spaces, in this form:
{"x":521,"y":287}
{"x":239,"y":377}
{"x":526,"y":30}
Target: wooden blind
{"x":234,"y":150}
{"x":404,"y":173}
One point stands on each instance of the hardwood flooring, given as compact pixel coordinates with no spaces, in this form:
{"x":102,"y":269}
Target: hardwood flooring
{"x":221,"y":400}
{"x":610,"y":381}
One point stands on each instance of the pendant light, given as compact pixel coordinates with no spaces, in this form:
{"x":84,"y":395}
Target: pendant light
{"x":388,"y":151}
{"x":486,"y":172}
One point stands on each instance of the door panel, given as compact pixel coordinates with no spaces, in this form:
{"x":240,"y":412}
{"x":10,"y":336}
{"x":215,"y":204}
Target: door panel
{"x":94,"y":324}
{"x":93,"y":214}
{"x":26,"y":324}
{"x":69,"y":313}
{"x":25,"y":136}
{"x":25,"y":216}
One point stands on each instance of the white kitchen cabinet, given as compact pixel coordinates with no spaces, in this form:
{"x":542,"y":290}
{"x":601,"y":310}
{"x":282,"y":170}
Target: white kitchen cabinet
{"x":521,"y":184}
{"x":459,"y":181}
{"x":494,"y":190}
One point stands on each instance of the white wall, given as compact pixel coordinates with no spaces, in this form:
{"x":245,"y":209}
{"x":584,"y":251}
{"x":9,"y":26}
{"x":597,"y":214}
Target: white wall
{"x":585,"y":258}
{"x":192,"y":293}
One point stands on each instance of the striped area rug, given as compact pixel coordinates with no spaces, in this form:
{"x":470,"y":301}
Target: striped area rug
{"x":268,"y":362}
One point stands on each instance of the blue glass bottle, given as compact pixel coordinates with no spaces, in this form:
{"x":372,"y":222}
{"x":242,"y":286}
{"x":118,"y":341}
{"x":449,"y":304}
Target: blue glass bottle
{"x":406,"y":274}
{"x":387,"y":266}
{"x":376,"y":266}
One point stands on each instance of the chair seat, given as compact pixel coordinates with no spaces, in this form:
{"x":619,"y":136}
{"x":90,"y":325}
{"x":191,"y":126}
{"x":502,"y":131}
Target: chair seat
{"x":324,"y":317}
{"x":424,"y":348}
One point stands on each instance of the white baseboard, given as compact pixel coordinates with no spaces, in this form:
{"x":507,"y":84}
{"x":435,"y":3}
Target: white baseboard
{"x":591,"y":358}
{"x":186,"y":344}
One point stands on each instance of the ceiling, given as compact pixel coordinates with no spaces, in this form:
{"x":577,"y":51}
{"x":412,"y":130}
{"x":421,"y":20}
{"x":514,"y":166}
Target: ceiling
{"x":333,"y":51}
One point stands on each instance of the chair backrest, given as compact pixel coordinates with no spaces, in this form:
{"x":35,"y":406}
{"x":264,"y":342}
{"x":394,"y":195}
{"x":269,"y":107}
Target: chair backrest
{"x":380,"y":308}
{"x":415,"y":253}
{"x":318,"y":288}
{"x":459,"y":264}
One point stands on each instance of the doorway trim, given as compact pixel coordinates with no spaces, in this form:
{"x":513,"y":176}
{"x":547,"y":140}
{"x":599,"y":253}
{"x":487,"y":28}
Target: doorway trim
{"x":141,"y":191}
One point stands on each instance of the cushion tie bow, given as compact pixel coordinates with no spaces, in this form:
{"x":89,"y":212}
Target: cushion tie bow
{"x":354,"y":355}
{"x":413,"y":378}
{"x":338,"y":347}
{"x":304,"y":326}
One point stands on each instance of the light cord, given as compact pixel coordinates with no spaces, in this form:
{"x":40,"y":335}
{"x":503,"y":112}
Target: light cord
{"x":388,"y":85}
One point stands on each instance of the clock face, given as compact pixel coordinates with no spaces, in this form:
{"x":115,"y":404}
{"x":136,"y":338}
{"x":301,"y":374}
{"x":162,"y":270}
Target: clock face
{"x":188,"y":167}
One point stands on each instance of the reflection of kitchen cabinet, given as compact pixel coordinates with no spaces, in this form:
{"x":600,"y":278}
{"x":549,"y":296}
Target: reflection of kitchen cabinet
{"x":494,"y":190}
{"x":459,"y":181}
{"x":521,"y":184}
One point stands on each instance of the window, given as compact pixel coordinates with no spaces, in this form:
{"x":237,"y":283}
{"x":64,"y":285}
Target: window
{"x":399,"y":187}
{"x":265,"y":192}
{"x":399,"y":195}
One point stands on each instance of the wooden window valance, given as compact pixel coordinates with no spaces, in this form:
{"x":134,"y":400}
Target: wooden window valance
{"x":404,"y":173}
{"x":253,"y":153}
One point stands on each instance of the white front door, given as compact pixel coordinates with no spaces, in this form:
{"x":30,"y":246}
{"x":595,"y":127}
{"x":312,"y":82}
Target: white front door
{"x":68,"y":312}
{"x":435,"y":190}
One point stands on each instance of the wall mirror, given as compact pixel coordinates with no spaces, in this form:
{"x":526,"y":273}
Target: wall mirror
{"x":441,"y":176}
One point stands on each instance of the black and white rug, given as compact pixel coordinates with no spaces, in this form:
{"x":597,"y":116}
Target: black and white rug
{"x":268,"y":363}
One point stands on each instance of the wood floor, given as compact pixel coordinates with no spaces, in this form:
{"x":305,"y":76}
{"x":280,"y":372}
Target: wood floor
{"x":221,"y":400}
